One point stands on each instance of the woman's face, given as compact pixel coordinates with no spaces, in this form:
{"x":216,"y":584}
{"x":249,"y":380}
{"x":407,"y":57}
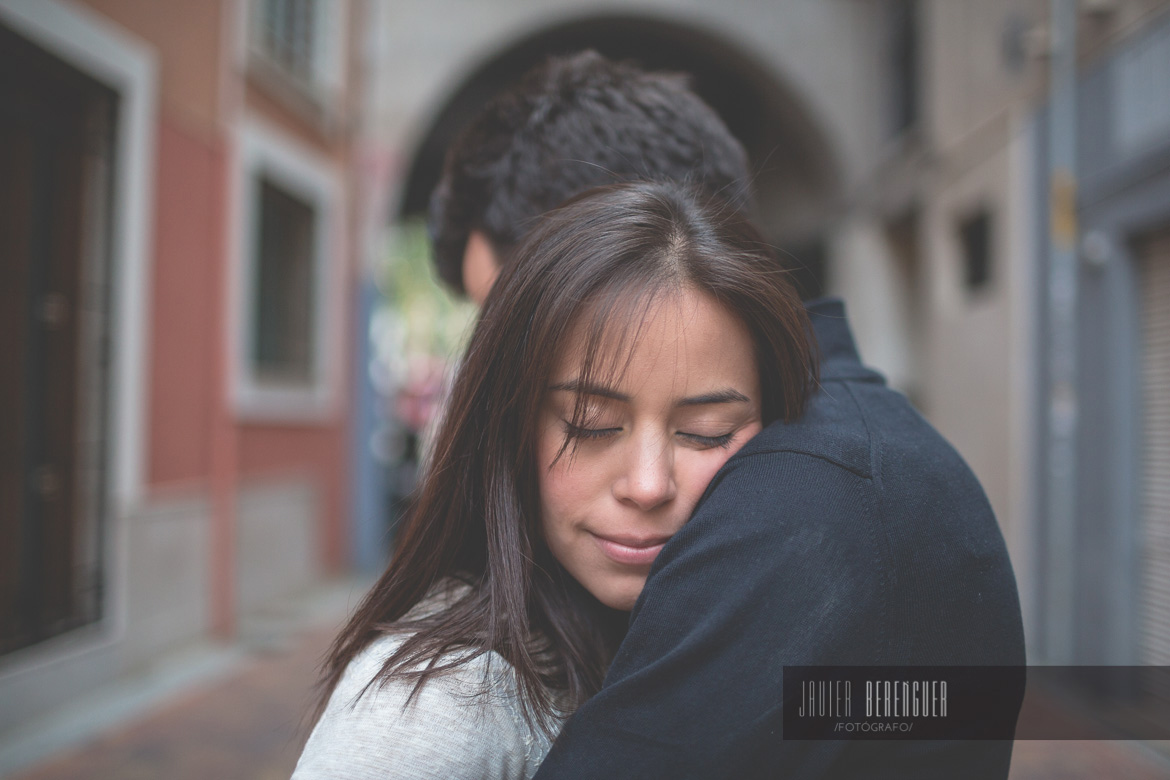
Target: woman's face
{"x":651,"y":441}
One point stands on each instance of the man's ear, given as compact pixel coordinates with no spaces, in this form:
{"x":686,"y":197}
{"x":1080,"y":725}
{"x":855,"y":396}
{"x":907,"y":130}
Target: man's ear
{"x":480,"y":266}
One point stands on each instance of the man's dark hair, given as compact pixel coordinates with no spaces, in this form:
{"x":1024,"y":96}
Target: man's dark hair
{"x":574,"y":123}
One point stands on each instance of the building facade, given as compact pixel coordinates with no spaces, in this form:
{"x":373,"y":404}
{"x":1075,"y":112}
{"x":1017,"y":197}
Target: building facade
{"x":242,"y":160}
{"x":183,"y":268}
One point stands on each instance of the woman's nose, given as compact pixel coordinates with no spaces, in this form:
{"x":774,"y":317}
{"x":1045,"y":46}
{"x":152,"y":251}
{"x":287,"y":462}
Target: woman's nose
{"x":647,"y":480}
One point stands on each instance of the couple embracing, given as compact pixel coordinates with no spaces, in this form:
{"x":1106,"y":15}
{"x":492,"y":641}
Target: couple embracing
{"x":660,"y":478}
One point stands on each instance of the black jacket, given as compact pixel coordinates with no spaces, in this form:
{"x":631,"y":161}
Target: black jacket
{"x":854,"y":536}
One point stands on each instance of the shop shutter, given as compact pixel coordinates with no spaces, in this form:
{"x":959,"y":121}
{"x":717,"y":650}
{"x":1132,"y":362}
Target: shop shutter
{"x":1153,"y":257}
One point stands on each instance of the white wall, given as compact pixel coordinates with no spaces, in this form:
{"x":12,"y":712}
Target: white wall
{"x":825,"y":50}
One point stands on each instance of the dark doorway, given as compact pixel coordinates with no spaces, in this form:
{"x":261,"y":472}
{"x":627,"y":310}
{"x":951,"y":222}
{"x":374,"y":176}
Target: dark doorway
{"x":56,"y":130}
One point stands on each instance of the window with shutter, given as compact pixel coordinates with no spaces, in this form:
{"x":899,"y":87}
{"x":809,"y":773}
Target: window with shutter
{"x":1153,"y":258}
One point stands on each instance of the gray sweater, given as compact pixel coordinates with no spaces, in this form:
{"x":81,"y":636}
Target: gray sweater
{"x":453,"y":728}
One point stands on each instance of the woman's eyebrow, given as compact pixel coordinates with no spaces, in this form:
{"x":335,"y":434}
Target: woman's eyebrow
{"x":717,"y":397}
{"x":725,"y":396}
{"x":573,"y":386}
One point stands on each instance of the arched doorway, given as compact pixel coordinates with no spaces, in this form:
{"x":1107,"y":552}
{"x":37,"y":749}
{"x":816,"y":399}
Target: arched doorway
{"x":797,"y":178}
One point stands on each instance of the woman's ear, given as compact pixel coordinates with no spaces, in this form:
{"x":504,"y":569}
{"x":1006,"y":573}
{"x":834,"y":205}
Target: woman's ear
{"x":481,"y":266}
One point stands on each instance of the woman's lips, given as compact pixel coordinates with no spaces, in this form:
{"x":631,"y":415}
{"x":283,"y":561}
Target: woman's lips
{"x":631,"y":551}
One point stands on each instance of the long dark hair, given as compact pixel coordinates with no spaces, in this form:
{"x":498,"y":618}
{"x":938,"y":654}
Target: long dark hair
{"x":599,"y":259}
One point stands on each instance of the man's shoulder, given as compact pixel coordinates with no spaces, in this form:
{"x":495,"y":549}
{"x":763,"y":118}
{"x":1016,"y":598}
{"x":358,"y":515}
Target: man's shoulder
{"x":833,"y":432}
{"x":858,"y":426}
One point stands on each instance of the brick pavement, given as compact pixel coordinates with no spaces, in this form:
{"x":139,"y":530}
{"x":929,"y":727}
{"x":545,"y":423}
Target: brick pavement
{"x":246,"y":725}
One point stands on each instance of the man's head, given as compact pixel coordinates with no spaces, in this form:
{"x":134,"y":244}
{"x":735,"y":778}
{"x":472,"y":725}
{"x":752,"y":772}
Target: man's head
{"x":571,"y":124}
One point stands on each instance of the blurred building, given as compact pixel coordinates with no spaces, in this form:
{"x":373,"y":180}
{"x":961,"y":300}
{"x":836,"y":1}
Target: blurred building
{"x":182,"y":245}
{"x":1017,"y":230}
{"x":994,"y":212}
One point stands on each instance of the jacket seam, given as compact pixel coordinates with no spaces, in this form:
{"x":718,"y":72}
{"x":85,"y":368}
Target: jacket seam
{"x":807,"y":454}
{"x":879,"y":536}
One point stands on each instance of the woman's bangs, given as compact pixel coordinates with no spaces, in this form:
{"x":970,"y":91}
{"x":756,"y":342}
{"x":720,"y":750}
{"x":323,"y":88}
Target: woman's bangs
{"x":607,"y":327}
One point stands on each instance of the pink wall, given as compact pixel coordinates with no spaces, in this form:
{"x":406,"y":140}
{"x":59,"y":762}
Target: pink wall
{"x":186,"y":347}
{"x":189,"y":241}
{"x":188,"y":37}
{"x":194,"y":442}
{"x":319,"y":451}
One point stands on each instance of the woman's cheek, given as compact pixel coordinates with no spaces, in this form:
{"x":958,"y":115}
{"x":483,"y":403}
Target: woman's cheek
{"x":701,"y":470}
{"x":704,"y":468}
{"x":567,"y":491}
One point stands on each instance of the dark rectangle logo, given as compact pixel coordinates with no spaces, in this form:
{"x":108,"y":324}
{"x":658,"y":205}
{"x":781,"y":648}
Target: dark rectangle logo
{"x":976,"y":702}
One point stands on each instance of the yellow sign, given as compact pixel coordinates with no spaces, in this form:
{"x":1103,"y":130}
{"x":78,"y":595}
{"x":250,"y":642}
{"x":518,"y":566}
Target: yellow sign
{"x":1063,"y":215}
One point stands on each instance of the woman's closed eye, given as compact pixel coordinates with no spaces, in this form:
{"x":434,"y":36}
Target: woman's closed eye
{"x":574,"y":431}
{"x":709,"y":442}
{"x":597,"y":432}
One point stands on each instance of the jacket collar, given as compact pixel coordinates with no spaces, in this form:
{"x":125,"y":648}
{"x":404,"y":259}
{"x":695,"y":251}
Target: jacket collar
{"x":838,"y":353}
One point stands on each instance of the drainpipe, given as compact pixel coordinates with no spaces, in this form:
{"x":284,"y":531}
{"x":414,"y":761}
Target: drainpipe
{"x":1061,"y":477}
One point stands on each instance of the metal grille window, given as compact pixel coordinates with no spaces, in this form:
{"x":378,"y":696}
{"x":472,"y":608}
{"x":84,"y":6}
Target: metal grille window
{"x":56,"y":153}
{"x":282,"y":334}
{"x":288,"y":35}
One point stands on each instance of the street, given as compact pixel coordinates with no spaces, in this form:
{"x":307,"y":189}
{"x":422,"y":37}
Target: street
{"x":247,"y":723}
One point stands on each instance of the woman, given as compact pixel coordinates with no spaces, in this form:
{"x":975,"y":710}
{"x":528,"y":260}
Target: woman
{"x":640,"y":337}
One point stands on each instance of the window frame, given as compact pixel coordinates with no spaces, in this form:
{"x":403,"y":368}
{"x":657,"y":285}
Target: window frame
{"x":266,"y":154}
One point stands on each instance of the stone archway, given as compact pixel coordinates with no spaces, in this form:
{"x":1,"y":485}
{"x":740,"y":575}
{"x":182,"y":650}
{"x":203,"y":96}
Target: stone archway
{"x":798,"y":181}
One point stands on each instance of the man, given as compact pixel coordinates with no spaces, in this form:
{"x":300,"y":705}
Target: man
{"x":854,"y":537}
